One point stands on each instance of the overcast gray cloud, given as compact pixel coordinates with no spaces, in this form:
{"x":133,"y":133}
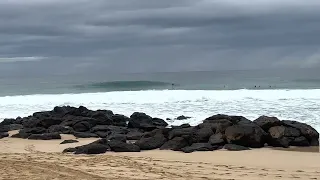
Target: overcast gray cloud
{"x":69,"y":36}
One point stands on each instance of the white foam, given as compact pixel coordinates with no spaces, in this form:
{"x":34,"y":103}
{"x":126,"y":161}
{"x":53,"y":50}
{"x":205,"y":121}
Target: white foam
{"x":301,"y":105}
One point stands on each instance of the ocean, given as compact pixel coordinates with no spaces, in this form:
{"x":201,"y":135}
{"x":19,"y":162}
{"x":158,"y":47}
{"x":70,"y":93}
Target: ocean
{"x":286,"y":94}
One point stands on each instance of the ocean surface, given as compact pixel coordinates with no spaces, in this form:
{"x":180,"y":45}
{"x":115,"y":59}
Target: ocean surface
{"x":286,"y":94}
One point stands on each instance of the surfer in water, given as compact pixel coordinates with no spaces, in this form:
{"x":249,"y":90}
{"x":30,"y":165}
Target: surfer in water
{"x":172,"y":86}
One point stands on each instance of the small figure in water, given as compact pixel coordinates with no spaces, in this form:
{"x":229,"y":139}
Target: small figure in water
{"x":172,"y":86}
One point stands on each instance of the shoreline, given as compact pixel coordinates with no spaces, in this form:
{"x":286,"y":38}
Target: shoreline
{"x":38,"y":159}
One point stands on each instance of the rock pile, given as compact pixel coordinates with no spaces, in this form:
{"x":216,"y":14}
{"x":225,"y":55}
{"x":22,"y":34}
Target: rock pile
{"x":140,"y":131}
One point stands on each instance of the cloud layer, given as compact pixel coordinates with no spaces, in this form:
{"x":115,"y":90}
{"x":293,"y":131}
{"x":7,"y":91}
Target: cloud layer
{"x":70,"y":36}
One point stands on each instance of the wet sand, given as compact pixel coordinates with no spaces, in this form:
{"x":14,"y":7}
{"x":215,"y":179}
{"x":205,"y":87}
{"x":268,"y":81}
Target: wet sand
{"x":39,"y":160}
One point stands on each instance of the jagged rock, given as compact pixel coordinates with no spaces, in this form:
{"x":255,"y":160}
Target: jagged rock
{"x":85,"y":135}
{"x":3,"y":135}
{"x":120,"y":146}
{"x":154,"y":141}
{"x":175,"y":144}
{"x":199,"y":147}
{"x":266,"y":122}
{"x":69,"y":141}
{"x":217,"y":139}
{"x":60,"y":129}
{"x":45,"y":136}
{"x":234,"y":147}
{"x":248,"y":135}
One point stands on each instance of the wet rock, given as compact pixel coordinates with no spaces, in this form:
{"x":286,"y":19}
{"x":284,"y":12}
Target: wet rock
{"x":175,"y":144}
{"x":120,"y":146}
{"x":199,"y":147}
{"x":45,"y":136}
{"x":246,"y":135}
{"x":69,"y":141}
{"x":234,"y":147}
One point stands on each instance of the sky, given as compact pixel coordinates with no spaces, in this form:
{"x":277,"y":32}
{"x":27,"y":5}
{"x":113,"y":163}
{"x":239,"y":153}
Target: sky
{"x":83,"y":36}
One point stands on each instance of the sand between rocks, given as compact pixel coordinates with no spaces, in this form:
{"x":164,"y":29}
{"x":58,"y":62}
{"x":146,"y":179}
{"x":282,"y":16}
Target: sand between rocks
{"x":43,"y":160}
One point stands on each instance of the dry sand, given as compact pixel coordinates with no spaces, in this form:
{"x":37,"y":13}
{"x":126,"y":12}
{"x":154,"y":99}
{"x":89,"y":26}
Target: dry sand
{"x":43,"y":160}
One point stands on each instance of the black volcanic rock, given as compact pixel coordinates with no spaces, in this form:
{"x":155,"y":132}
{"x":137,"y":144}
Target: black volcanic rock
{"x":60,"y":129}
{"x":306,"y":130}
{"x":182,"y":117}
{"x":10,"y":127}
{"x":234,"y":147}
{"x":266,"y":122}
{"x":3,"y":135}
{"x":199,"y":147}
{"x":45,"y":136}
{"x":120,"y":120}
{"x":217,"y":139}
{"x":93,"y":148}
{"x":85,"y":135}
{"x":175,"y":144}
{"x":151,"y":141}
{"x":69,"y":141}
{"x":120,"y":146}
{"x":246,"y":135}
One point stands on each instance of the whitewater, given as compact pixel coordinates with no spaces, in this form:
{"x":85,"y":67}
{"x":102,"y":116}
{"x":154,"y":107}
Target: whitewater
{"x":301,"y":105}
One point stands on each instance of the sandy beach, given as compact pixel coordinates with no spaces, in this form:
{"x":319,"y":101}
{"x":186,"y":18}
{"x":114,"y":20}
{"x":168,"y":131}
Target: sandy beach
{"x":39,"y":160}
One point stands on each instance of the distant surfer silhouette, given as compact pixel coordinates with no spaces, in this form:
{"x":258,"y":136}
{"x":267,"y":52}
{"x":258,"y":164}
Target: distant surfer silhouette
{"x":172,"y":85}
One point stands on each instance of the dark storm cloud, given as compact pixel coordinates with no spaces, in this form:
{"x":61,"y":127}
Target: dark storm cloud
{"x":69,"y":36}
